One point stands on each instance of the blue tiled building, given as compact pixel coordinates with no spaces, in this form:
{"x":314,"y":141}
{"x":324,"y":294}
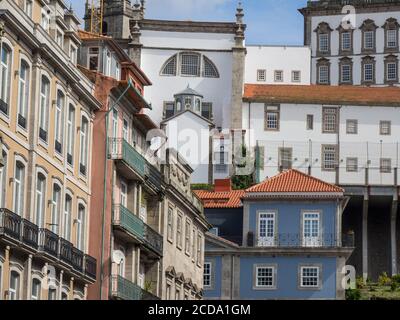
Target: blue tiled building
{"x":292,"y":245}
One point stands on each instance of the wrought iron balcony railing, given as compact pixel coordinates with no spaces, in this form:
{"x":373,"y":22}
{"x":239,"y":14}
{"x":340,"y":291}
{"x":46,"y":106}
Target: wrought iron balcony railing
{"x":128,"y":221}
{"x":48,"y":242}
{"x":66,"y":251}
{"x":153,"y":240}
{"x":30,"y":234}
{"x":90,"y":266}
{"x":124,"y":289}
{"x":77,"y":257}
{"x":10,"y":224}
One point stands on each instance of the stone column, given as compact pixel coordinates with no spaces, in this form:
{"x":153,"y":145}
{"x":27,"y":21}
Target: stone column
{"x":60,"y":285}
{"x":71,"y":289}
{"x":6,"y":273}
{"x":28,"y":278}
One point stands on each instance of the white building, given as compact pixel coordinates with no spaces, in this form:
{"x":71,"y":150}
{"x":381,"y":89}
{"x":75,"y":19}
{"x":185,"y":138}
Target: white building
{"x":354,"y":44}
{"x":278,"y":65}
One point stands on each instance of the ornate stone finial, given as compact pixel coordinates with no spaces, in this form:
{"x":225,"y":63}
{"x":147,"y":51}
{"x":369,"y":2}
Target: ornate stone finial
{"x":239,"y":13}
{"x":136,"y":5}
{"x":143,"y":6}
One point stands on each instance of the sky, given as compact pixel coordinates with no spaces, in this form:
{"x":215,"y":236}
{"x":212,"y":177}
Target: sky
{"x":272,"y":22}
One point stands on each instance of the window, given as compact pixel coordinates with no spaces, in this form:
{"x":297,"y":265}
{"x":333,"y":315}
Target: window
{"x":345,"y":72}
{"x":311,"y":229}
{"x":207,"y":275}
{"x":169,"y":109}
{"x":346,"y":41}
{"x":80,"y":228}
{"x":329,"y":120}
{"x":23,"y":97}
{"x":221,"y":160}
{"x":266,"y":229}
{"x":385,"y":128}
{"x":278,"y":76}
{"x":84,"y":146}
{"x":190,"y":64}
{"x":67,"y":217}
{"x":262,"y":75}
{"x":117,"y":71}
{"x":309,"y":277}
{"x":36,"y":289}
{"x":169,"y":68}
{"x":368,"y":72}
{"x":351,"y":126}
{"x":107,"y":70}
{"x":391,"y":71}
{"x":272,"y":118}
{"x":285,"y":159}
{"x":1,"y":281}
{"x":170,"y":226}
{"x":56,"y":208}
{"x":177,"y":294}
{"x":59,"y":122}
{"x":124,"y":194}
{"x":5,"y":76}
{"x":369,"y":40}
{"x":323,"y":42}
{"x":14,"y":286}
{"x":64,"y":296}
{"x":52,"y":294}
{"x":198,"y":106}
{"x":323,"y":74}
{"x":93,"y":58}
{"x":296,"y":76}
{"x":265,"y":277}
{"x":187,"y":237}
{"x":193,"y":243}
{"x":168,"y":292}
{"x":386,"y":165}
{"x":19,"y":188}
{"x":60,"y":38}
{"x":215,"y":231}
{"x":44,"y":108}
{"x":206,"y":110}
{"x":351,"y":164}
{"x":329,"y":155}
{"x":310,"y":122}
{"x":70,"y":134}
{"x":40,"y":200}
{"x":199,"y":249}
{"x":210,"y":70}
{"x":45,"y":21}
{"x":3,"y":179}
{"x":179,"y":231}
{"x":391,"y":38}
{"x":125,"y":130}
{"x":28,"y":8}
{"x":73,"y":54}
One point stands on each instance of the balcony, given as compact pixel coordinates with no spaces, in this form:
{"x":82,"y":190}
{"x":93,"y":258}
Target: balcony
{"x":153,"y":240}
{"x":10,"y":225}
{"x":153,"y":177}
{"x":124,"y":289}
{"x":65,"y":251}
{"x":130,"y":161}
{"x":48,"y":242}
{"x":77,"y":257}
{"x":90,"y":267}
{"x":30,"y":234}
{"x":129,"y":222}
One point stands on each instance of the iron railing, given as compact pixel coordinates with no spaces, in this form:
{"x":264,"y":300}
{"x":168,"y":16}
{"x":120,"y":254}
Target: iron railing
{"x":48,"y":242}
{"x":90,"y":266}
{"x":153,"y":239}
{"x":128,"y":220}
{"x":66,"y":251}
{"x":124,"y":289}
{"x":10,"y":224}
{"x":77,"y":257}
{"x":30,"y":234}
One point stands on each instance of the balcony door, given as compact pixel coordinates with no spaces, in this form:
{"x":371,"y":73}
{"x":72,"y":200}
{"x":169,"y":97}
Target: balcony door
{"x":266,"y":229}
{"x":141,"y":275}
{"x":124,"y":194}
{"x":311,"y":229}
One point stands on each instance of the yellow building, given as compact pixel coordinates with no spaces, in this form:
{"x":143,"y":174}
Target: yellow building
{"x":46,"y":120}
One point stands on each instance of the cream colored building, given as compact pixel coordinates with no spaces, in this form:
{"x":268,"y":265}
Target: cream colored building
{"x":46,"y":119}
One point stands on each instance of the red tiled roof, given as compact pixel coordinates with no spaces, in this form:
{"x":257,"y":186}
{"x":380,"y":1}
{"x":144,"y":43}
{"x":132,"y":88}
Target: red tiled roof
{"x":319,"y":94}
{"x":86,"y":35}
{"x":216,"y":200}
{"x":294,"y":181}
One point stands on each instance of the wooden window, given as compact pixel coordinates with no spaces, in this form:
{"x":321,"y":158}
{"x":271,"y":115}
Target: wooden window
{"x":351,"y":126}
{"x":329,"y":120}
{"x":272,"y":118}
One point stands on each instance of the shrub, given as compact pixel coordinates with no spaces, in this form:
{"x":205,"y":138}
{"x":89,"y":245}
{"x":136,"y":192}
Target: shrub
{"x":396,"y":279}
{"x":384,"y":280}
{"x":360,"y":283}
{"x":353,"y":294}
{"x":394,"y":286}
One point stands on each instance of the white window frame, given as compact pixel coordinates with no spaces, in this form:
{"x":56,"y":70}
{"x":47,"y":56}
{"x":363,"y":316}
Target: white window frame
{"x":71,"y":133}
{"x":207,"y":273}
{"x":38,"y":296}
{"x":369,"y":42}
{"x":346,"y":41}
{"x":345,"y":73}
{"x":391,"y":69}
{"x":19,"y":187}
{"x":56,"y":205}
{"x":391,"y":38}
{"x":5,"y":73}
{"x":179,"y":230}
{"x":323,"y":72}
{"x":188,"y":228}
{"x":45,"y":89}
{"x":199,"y":249}
{"x":23,"y":92}
{"x":59,"y":120}
{"x":3,"y":178}
{"x":80,"y":226}
{"x":67,"y":216}
{"x":93,"y":55}
{"x":40,"y":200}
{"x":28,"y":7}
{"x":261,"y":75}
{"x":296,"y":76}
{"x":170,"y":224}
{"x":311,"y":235}
{"x":278,"y":76}
{"x":273,"y":275}
{"x":123,"y":194}
{"x":368,"y":71}
{"x":302,"y":277}
{"x":14,"y":293}
{"x":267,"y":221}
{"x":190,"y":65}
{"x":84,"y":145}
{"x":73,"y":54}
{"x":323,"y":42}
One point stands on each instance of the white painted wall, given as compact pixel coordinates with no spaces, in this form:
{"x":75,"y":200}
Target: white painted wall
{"x":368,"y":144}
{"x":271,"y":58}
{"x":160,"y":46}
{"x":334,"y":22}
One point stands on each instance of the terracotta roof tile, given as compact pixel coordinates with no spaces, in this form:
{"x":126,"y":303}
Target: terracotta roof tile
{"x":215,"y":200}
{"x":294,"y":181}
{"x":319,"y":94}
{"x":86,"y":35}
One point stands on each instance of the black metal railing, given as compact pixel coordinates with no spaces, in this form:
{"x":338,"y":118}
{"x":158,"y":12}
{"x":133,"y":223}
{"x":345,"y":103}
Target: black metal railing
{"x":30,"y":234}
{"x":90,"y":266}
{"x":66,"y":251}
{"x":10,"y":224}
{"x":4,"y":107}
{"x":48,"y":242}
{"x":149,"y":296}
{"x":153,"y":239}
{"x":296,"y":240}
{"x":77,"y":259}
{"x":153,"y":176}
{"x":21,"y":121}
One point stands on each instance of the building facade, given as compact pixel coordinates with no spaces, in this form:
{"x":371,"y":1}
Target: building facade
{"x":292,"y":244}
{"x":46,"y":125}
{"x":353,"y":42}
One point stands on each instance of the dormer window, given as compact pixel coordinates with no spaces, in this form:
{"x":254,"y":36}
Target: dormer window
{"x":191,"y":64}
{"x":93,"y":58}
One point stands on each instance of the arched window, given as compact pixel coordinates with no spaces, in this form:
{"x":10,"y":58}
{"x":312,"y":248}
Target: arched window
{"x":64,"y":296}
{"x":59,"y":122}
{"x":80,"y":228}
{"x":36,"y":289}
{"x":209,"y":68}
{"x":121,"y":264}
{"x":67,"y":217}
{"x":40,"y":199}
{"x":52,"y":294}
{"x":14,"y":285}
{"x":169,"y":67}
{"x":19,"y":187}
{"x":44,"y":108}
{"x":23,"y":102}
{"x":5,"y":76}
{"x":56,"y":208}
{"x":70,"y":134}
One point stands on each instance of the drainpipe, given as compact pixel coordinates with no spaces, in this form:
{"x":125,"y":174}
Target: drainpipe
{"x":105,"y":187}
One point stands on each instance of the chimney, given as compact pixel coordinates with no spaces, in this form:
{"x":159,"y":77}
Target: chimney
{"x":222,"y":185}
